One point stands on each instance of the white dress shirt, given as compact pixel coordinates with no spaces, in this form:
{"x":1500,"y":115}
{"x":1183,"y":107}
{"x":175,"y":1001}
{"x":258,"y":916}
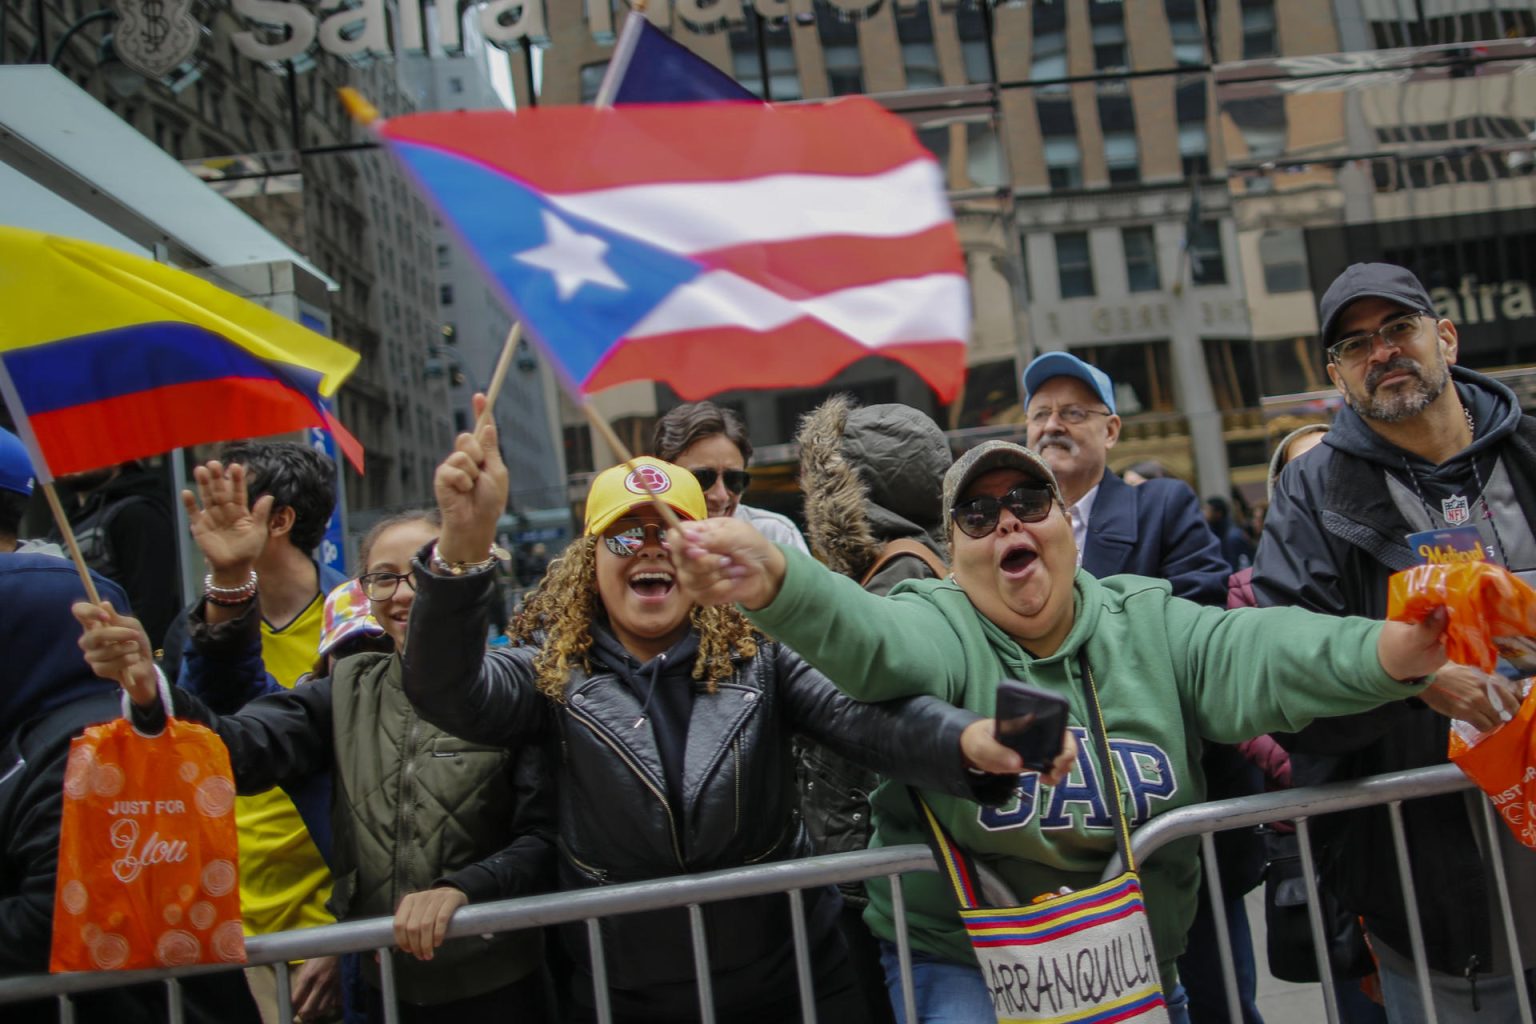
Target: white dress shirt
{"x":1079,"y":514}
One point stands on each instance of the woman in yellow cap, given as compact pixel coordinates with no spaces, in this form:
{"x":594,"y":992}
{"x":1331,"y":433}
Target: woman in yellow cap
{"x":669,"y":728}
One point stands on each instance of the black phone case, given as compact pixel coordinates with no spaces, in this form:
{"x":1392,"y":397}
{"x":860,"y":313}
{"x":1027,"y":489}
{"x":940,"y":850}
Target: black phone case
{"x":1041,"y":740}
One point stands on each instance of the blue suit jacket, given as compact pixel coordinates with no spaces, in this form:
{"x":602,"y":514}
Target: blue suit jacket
{"x":1155,"y":530}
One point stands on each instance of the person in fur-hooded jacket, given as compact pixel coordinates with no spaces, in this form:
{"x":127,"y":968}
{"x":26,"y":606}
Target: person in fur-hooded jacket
{"x":871,"y":476}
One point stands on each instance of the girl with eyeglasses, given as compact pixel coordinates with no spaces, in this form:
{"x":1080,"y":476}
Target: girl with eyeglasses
{"x":420,"y":819}
{"x":669,"y":730}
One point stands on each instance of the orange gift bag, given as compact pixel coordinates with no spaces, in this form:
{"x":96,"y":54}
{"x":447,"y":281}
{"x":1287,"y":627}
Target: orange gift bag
{"x":147,"y":850}
{"x":1492,"y":617}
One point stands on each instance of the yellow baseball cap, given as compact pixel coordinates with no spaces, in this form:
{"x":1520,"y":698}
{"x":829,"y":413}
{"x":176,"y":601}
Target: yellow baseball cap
{"x":628,"y":486}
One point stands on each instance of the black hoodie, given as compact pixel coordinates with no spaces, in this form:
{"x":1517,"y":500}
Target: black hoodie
{"x":1333,"y":537}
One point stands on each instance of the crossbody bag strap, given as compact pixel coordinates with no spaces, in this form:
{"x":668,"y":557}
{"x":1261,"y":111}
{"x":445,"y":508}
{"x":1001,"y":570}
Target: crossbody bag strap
{"x":954,"y":863}
{"x":1101,"y":740}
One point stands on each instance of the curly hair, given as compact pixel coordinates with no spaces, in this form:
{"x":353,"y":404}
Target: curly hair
{"x":557,"y":618}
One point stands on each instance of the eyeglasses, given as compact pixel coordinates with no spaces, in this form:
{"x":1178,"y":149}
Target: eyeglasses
{"x":736,"y":480}
{"x":1071,"y":415}
{"x":381,"y":586}
{"x":627,"y":537}
{"x":1357,"y":347}
{"x":976,"y":517}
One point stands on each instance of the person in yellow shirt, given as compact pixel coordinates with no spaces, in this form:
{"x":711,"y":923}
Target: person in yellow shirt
{"x":285,"y":833}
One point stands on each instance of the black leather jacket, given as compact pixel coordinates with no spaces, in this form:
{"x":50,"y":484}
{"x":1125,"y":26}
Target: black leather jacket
{"x":615,"y":821}
{"x":1332,"y":539}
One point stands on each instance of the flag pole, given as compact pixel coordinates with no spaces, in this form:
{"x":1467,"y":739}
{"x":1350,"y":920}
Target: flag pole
{"x":627,"y":457}
{"x":44,"y":476}
{"x":499,"y":375}
{"x":70,"y":542}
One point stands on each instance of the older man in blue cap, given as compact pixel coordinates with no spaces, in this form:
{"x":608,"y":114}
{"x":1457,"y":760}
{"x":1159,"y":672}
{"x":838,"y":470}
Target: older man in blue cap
{"x":1154,"y":530}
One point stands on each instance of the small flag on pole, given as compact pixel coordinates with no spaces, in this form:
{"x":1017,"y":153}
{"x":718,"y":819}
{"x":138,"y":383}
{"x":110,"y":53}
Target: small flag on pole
{"x":649,"y":66}
{"x":107,"y":357}
{"x":710,"y":246}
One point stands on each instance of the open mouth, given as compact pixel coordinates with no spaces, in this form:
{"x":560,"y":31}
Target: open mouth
{"x":652,"y":585}
{"x":1017,"y":560}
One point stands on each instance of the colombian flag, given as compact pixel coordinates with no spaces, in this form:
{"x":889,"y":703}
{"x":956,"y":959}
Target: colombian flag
{"x":107,"y":357}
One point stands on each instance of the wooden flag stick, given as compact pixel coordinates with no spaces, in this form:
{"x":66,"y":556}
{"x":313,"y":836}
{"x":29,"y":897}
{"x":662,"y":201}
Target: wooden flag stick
{"x":69,"y":540}
{"x":499,"y":375}
{"x":627,"y":457}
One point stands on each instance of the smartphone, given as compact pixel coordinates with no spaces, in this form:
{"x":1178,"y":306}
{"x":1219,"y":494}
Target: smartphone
{"x":1031,"y":721}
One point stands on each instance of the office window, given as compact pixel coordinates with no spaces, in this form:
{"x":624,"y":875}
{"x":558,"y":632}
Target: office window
{"x":1142,"y":372}
{"x":455,"y":85}
{"x":1262,"y":124}
{"x":983,"y":155}
{"x":1194,"y":140}
{"x":918,"y":55}
{"x":936,"y":140}
{"x":1049,"y":58}
{"x":445,"y":294}
{"x":1064,"y":161}
{"x":1140,"y":259}
{"x":840,"y":52}
{"x":1206,"y":263}
{"x":1188,"y":39}
{"x":1063,"y":154}
{"x":1259,"y":36}
{"x":444,"y":256}
{"x":971,"y":27}
{"x":1074,"y":265}
{"x":1109,"y":45}
{"x":1121,"y":156}
{"x":1284,"y":256}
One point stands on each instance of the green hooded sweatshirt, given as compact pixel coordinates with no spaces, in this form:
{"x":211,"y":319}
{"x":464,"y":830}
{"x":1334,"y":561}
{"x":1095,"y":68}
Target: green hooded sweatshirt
{"x":1168,"y":672}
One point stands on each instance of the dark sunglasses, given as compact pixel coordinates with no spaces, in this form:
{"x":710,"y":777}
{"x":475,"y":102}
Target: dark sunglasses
{"x":976,"y":517}
{"x":736,"y":480}
{"x":627,"y":537}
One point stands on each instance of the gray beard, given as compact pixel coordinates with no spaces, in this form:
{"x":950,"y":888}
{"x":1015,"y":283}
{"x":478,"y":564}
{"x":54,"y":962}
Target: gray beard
{"x":1407,"y":401}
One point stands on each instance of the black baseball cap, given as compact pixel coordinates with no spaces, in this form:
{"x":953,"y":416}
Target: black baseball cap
{"x":1370,"y":281}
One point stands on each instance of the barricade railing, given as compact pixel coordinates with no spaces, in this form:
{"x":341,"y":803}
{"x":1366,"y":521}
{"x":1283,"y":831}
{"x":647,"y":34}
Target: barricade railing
{"x":1298,"y":806}
{"x":792,"y":878}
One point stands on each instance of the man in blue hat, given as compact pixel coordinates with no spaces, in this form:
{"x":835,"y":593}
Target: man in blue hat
{"x":1154,"y":530}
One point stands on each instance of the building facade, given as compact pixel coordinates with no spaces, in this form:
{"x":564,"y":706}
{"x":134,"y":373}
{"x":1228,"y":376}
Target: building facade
{"x":1160,"y":186}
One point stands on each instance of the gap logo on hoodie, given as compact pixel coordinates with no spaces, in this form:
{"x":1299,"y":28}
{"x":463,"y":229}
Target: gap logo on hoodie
{"x":1144,"y":768}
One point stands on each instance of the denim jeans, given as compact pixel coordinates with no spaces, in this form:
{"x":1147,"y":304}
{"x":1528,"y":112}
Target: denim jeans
{"x":947,"y":992}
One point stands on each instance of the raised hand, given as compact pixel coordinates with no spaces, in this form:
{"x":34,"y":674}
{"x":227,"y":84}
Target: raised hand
{"x":230,"y":532}
{"x":471,"y":489}
{"x":725,"y":561}
{"x":117,"y":648}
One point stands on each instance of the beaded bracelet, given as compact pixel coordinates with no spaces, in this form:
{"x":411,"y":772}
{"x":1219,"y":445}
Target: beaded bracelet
{"x":442,"y":567}
{"x":229,"y":597}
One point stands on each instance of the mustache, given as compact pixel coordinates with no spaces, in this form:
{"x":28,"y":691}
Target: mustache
{"x":1059,"y":439}
{"x":1400,"y":364}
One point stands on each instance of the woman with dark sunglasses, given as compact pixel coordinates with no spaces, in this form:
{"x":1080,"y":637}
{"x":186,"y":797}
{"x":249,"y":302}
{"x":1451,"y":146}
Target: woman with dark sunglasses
{"x":1167,"y":673}
{"x":711,"y":443}
{"x":669,"y":727}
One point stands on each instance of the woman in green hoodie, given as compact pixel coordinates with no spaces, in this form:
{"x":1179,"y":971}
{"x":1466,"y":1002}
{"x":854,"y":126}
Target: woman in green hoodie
{"x":1168,"y":672}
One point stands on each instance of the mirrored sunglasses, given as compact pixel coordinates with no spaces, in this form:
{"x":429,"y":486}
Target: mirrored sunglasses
{"x":626,"y":538}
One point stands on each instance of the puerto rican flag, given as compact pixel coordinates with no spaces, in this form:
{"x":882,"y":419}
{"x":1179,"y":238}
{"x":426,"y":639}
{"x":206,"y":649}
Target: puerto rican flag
{"x":708,"y":246}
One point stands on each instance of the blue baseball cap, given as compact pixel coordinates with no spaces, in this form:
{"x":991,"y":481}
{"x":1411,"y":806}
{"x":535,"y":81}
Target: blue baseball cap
{"x":15,"y":464}
{"x":1065,"y":364}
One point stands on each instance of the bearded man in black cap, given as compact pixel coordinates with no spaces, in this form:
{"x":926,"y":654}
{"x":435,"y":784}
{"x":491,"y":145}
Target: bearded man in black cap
{"x":1422,"y":444}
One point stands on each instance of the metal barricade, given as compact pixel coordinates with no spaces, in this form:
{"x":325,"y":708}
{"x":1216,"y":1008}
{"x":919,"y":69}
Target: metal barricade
{"x":1300,"y":805}
{"x":792,"y":878}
